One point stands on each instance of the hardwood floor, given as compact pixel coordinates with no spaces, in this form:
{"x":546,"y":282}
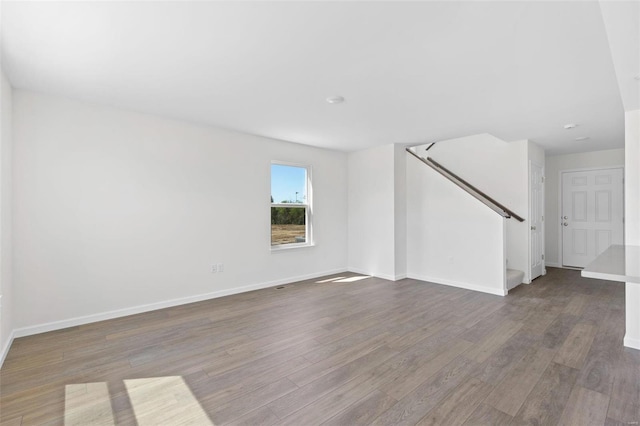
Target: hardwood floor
{"x":341,"y":351}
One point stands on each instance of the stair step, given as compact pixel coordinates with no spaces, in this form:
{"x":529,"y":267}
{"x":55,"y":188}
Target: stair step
{"x":514,"y":278}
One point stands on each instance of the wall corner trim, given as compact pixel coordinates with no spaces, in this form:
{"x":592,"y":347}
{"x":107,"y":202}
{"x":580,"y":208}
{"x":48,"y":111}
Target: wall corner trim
{"x":632,"y":343}
{"x":6,"y":348}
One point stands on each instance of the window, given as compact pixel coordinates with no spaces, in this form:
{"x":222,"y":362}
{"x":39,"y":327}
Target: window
{"x":290,"y":205}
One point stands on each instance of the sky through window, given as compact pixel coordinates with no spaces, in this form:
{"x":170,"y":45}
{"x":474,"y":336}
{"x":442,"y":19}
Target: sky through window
{"x":288,"y":184}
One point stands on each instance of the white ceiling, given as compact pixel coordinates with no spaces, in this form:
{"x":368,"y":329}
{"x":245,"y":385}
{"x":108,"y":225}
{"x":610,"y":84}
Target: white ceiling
{"x":411,"y":72}
{"x":622,"y":21}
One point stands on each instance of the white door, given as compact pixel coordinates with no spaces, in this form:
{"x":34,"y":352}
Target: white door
{"x":536,"y":212}
{"x":591,"y":219}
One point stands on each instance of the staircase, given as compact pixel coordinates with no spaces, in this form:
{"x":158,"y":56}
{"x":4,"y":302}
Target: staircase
{"x":512,"y":277}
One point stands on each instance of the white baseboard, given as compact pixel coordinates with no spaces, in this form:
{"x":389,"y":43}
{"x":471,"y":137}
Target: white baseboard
{"x":383,"y":276}
{"x":466,"y":286}
{"x":378,"y":275}
{"x":631,"y":342}
{"x":556,"y":265}
{"x":6,"y":348}
{"x":72,"y":322}
{"x":363,"y":272}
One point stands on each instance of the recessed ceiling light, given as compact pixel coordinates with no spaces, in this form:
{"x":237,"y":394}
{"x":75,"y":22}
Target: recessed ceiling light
{"x":335,"y":99}
{"x":569,"y":126}
{"x":582,"y":138}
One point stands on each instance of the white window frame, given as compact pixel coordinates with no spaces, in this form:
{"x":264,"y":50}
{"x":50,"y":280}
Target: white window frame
{"x":309,"y":242}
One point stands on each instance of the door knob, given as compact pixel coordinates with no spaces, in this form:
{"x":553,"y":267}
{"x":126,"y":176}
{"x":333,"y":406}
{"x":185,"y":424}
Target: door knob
{"x":565,"y":224}
{"x":533,"y":228}
{"x":565,"y":218}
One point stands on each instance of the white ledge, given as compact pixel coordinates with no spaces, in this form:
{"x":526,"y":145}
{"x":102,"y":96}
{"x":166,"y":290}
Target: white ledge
{"x":293,"y":246}
{"x":617,"y":263}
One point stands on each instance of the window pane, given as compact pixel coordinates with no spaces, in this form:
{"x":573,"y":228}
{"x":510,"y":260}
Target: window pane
{"x":288,"y":184}
{"x":288,"y":225}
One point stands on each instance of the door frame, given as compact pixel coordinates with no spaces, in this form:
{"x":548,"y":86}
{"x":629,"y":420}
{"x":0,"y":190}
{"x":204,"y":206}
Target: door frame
{"x":560,"y":196}
{"x":542,"y":234}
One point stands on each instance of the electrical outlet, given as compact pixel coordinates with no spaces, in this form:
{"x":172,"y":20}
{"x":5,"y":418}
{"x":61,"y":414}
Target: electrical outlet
{"x":214,"y":268}
{"x":220,"y":267}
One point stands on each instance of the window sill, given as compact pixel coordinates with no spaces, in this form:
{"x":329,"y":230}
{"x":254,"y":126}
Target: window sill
{"x":285,"y":247}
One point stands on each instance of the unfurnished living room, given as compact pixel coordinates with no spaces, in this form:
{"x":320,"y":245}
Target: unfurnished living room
{"x":332,"y":212}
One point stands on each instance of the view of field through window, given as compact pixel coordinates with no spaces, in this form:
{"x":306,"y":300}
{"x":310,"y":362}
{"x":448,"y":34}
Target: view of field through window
{"x":288,"y":204}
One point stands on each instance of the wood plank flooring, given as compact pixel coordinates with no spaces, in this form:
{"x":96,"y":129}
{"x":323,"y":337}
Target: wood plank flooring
{"x":341,"y":351}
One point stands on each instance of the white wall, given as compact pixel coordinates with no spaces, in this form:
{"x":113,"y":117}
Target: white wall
{"x":400,"y":214}
{"x":536,"y":153}
{"x":117,"y":212}
{"x":371,"y":223}
{"x":452,"y":238}
{"x":500,"y":170}
{"x":554,"y":165}
{"x":632,"y":221}
{"x":6,"y":280}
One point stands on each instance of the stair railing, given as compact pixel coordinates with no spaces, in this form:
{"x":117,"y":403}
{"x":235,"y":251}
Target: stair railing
{"x":467,"y":187}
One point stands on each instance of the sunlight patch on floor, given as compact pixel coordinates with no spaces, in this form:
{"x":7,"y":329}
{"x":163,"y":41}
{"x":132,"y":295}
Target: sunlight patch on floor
{"x":352,"y":279}
{"x":328,"y":280}
{"x":87,"y":404}
{"x":165,"y":400}
{"x":155,"y":401}
{"x":343,"y":279}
